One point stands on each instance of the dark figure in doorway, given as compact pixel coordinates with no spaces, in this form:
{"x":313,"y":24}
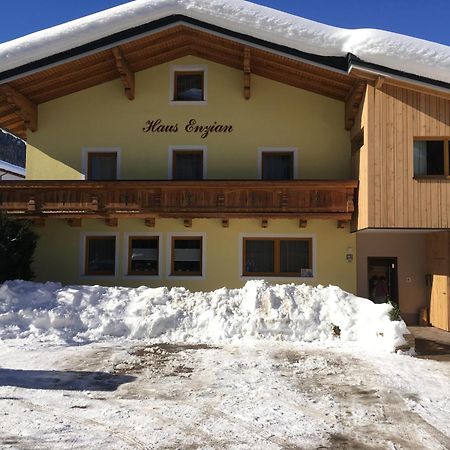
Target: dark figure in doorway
{"x":381,"y":290}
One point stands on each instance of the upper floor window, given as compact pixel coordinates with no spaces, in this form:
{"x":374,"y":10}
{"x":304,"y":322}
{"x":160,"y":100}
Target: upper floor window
{"x":431,"y":157}
{"x":188,"y":84}
{"x":101,"y":163}
{"x":277,"y":164}
{"x":187,"y":165}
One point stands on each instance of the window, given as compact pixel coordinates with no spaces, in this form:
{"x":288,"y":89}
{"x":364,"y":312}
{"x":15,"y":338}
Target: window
{"x":186,"y":255}
{"x":100,"y":255}
{"x":288,"y":257}
{"x":187,"y":164}
{"x":277,"y":163}
{"x":188,"y":84}
{"x":102,"y":165}
{"x":431,"y":157}
{"x":189,"y":87}
{"x":143,"y":255}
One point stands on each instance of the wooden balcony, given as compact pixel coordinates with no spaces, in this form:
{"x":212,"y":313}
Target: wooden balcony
{"x":302,"y":199}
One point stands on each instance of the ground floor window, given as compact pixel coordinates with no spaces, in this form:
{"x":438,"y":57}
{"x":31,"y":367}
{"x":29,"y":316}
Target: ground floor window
{"x":277,"y":257}
{"x":100,"y":255}
{"x":186,"y":255}
{"x":143,"y":255}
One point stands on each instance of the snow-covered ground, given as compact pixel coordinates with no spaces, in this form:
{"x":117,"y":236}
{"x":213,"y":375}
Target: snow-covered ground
{"x":262,"y":367}
{"x":122,"y":394}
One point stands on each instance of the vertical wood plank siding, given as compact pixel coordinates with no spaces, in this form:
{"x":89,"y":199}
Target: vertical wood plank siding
{"x":389,"y":196}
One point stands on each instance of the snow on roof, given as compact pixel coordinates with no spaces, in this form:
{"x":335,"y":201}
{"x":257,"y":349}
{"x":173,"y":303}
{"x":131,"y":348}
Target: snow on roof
{"x":391,"y":50}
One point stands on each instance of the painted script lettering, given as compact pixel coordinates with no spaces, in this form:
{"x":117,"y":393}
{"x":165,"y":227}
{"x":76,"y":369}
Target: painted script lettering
{"x":204,"y":130}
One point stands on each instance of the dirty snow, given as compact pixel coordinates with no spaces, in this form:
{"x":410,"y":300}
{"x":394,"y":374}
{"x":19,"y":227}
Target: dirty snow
{"x":384,"y":48}
{"x":265,"y":395}
{"x":259,"y":310}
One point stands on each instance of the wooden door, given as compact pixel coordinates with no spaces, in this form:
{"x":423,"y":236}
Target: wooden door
{"x":438,"y":263}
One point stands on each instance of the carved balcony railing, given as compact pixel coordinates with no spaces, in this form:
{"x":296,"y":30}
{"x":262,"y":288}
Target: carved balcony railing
{"x":185,"y":199}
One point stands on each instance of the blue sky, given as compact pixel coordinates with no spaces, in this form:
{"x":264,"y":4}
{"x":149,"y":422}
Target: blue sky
{"x":421,"y":18}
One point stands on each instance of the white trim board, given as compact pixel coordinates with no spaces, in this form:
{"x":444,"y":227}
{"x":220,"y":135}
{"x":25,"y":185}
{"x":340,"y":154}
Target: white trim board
{"x":169,"y":256}
{"x":188,"y":68}
{"x":125,"y":246}
{"x":84,"y":158}
{"x":293,"y":150}
{"x":82,"y":255}
{"x":173,"y":148}
{"x":277,"y":235}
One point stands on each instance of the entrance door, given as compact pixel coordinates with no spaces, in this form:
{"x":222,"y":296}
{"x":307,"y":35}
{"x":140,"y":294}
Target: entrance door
{"x":382,"y":277}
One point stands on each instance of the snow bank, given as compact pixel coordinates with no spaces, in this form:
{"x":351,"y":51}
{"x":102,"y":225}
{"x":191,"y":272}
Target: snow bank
{"x":258,"y":310}
{"x":392,"y":50}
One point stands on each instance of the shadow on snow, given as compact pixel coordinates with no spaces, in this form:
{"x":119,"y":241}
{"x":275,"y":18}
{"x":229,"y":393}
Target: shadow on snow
{"x":63,"y":380}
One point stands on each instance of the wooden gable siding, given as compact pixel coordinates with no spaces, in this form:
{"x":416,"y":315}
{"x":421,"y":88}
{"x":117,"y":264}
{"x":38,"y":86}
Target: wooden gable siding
{"x":389,"y":196}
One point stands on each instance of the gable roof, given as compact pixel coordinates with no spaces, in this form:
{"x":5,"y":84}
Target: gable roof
{"x":374,"y":49}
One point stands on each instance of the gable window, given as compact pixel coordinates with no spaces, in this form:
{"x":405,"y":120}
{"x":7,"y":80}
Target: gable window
{"x":186,"y":255}
{"x":143,"y":255}
{"x":277,"y":163}
{"x":277,"y":257}
{"x":101,"y":165}
{"x":188,"y":84}
{"x":431,"y":157}
{"x":187,"y":164}
{"x":100,"y":255}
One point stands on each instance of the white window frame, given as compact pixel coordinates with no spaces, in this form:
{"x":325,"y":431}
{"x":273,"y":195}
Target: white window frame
{"x":188,"y":68}
{"x":293,"y":150}
{"x":277,"y":236}
{"x":126,"y":249}
{"x":188,"y":148}
{"x":84,"y":158}
{"x":82,"y":268}
{"x":169,"y":256}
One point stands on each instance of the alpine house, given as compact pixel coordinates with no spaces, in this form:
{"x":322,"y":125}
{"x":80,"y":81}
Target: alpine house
{"x":206,"y":142}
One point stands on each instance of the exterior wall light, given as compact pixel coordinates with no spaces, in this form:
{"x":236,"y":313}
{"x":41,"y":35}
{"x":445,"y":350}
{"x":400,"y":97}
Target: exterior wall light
{"x":349,"y":254}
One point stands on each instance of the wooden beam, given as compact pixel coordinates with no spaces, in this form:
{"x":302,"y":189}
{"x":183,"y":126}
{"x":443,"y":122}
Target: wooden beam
{"x":112,"y":221}
{"x":188,"y":223}
{"x":225,"y":223}
{"x":126,"y":74}
{"x":303,"y":223}
{"x":247,"y":72}
{"x":352,"y":103}
{"x":74,"y":222}
{"x":379,"y":82}
{"x":24,"y":107}
{"x":150,"y":222}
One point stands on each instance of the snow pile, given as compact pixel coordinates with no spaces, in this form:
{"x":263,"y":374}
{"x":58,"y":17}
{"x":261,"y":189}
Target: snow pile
{"x":258,"y":310}
{"x":388,"y":49}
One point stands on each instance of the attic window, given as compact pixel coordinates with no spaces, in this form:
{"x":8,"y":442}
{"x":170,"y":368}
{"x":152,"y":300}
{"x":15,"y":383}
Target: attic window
{"x":188,"y":84}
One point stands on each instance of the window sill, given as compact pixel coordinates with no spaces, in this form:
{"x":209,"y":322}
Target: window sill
{"x":187,"y":103}
{"x":276,"y":277}
{"x":431,"y":177}
{"x":141,"y":277}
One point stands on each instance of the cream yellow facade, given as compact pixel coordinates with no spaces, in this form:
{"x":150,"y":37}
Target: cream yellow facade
{"x":60,"y":252}
{"x":276,"y":117}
